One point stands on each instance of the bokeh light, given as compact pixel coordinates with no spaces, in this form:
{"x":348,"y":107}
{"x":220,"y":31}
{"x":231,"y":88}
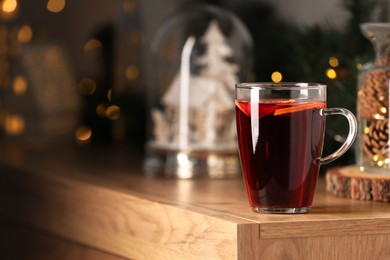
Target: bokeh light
{"x":8,"y":9}
{"x":93,"y":47}
{"x":55,"y":6}
{"x":333,"y":62}
{"x":132,"y":73}
{"x":276,"y":77}
{"x":14,"y":124}
{"x":331,"y":73}
{"x":113,"y":112}
{"x":101,"y":110}
{"x":9,"y":6}
{"x":19,"y":85}
{"x":83,"y":135}
{"x":86,"y":86}
{"x":109,"y":95}
{"x":25,"y":34}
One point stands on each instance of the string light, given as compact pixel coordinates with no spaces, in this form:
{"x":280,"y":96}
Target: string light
{"x":378,"y":117}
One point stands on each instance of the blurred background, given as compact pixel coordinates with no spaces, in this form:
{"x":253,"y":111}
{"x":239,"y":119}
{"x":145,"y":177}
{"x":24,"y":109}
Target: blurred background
{"x":76,"y":71}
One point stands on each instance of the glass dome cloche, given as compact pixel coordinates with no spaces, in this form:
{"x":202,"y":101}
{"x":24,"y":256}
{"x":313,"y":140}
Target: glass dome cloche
{"x":195,"y":59}
{"x":373,"y":149}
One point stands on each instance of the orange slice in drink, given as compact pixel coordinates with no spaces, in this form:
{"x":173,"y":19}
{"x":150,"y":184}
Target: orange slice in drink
{"x":244,"y":107}
{"x":292,"y":109}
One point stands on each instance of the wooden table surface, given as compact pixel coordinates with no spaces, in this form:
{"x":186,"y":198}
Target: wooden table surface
{"x":100,"y":198}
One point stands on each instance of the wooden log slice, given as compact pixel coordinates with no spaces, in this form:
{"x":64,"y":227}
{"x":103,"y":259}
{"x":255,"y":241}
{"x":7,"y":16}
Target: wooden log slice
{"x":349,"y":182}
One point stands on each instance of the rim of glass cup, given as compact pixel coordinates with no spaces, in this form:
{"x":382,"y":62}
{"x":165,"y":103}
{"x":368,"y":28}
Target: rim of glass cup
{"x":281,"y":85}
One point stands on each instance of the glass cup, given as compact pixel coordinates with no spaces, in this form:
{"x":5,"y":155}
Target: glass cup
{"x":280,"y":128}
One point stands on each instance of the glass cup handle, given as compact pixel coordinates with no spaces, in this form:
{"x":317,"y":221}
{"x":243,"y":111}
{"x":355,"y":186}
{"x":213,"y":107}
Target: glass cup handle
{"x":351,"y":134}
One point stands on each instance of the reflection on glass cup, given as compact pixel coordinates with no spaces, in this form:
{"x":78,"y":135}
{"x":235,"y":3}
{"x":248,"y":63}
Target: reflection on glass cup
{"x":280,"y":128}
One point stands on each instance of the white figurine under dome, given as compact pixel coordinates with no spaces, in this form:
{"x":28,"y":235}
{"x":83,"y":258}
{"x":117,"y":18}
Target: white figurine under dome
{"x":210,"y":107}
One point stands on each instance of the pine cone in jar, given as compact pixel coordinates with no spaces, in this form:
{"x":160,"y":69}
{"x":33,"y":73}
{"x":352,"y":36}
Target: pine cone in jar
{"x":384,"y":61}
{"x":376,"y":141}
{"x":373,"y":97}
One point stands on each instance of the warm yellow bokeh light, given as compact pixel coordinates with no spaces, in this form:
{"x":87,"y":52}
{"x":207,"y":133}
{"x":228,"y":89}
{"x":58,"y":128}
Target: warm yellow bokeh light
{"x":14,"y":124}
{"x":331,"y":73}
{"x":333,"y":62}
{"x":87,"y":86}
{"x":55,"y":6}
{"x":132,"y":72}
{"x":83,"y":134}
{"x":101,"y":110}
{"x":359,"y":66}
{"x":109,"y":95}
{"x":383,"y":110}
{"x":19,"y":85}
{"x":92,"y":46}
{"x":113,"y":112}
{"x":25,"y":34}
{"x":276,"y":77}
{"x":9,"y":6}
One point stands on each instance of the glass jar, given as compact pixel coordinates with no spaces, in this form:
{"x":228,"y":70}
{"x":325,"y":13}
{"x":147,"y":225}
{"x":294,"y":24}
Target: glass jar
{"x":196,"y":58}
{"x":373,"y":103}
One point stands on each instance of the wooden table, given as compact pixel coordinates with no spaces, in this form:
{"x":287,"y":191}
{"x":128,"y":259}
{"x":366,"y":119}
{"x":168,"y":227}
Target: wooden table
{"x":73,"y":203}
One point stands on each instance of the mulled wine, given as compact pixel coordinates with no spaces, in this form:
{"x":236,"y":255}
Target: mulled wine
{"x":280,"y":145}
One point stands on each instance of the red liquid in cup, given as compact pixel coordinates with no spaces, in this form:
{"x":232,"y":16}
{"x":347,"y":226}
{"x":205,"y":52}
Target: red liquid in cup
{"x":279,"y":149}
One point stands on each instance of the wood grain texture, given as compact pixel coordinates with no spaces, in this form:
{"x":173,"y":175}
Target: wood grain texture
{"x":104,"y":202}
{"x":19,"y":242}
{"x":125,"y":225}
{"x":325,"y":247}
{"x":349,"y":182}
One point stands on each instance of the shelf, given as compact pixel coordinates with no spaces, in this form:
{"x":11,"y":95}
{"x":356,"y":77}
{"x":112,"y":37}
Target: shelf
{"x":101,"y":199}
